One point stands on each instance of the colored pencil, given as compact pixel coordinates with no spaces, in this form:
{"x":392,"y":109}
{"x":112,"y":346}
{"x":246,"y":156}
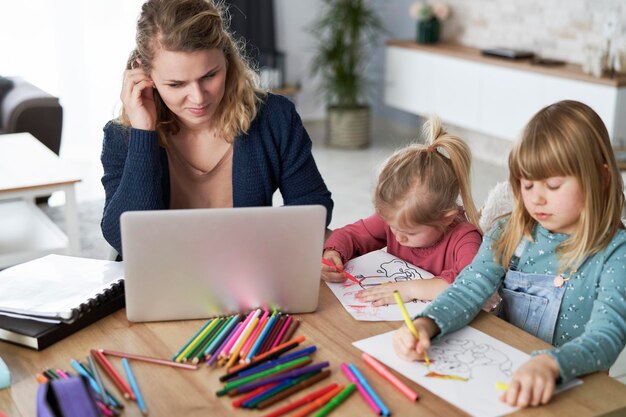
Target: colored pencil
{"x":346,"y":273}
{"x":379,"y":402}
{"x":182,"y":357}
{"x":297,"y":354}
{"x":96,"y":376}
{"x":81,"y":370}
{"x":272,"y":371}
{"x":269,"y":339}
{"x":113,"y":375}
{"x":113,"y":400}
{"x":274,"y":353}
{"x":62,"y":373}
{"x":255,"y":334}
{"x":310,"y":379}
{"x":366,"y":396}
{"x":197,"y":353}
{"x":336,"y":401}
{"x":283,"y":386}
{"x":204,"y":326}
{"x":409,"y":322}
{"x":293,"y":326}
{"x":218,"y":352}
{"x":234,"y":354}
{"x":239,"y":402}
{"x":225,"y":353}
{"x":148,"y":359}
{"x":385,"y":373}
{"x":302,"y":401}
{"x":282,"y":331}
{"x":41,"y":378}
{"x":219,"y":338}
{"x":291,"y":374}
{"x":244,"y":327}
{"x":261,"y":340}
{"x":135,"y":386}
{"x":50,"y":374}
{"x":319,"y":402}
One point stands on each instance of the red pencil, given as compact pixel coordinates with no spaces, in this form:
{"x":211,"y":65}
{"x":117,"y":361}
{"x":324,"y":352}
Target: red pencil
{"x":293,"y":326}
{"x":113,"y":375}
{"x":282,"y":331}
{"x":269,"y":340}
{"x":304,"y":400}
{"x":348,"y":275}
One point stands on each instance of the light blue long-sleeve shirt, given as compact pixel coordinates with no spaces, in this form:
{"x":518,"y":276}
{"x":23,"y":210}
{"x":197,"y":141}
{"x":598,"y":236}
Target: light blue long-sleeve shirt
{"x":591,"y":325}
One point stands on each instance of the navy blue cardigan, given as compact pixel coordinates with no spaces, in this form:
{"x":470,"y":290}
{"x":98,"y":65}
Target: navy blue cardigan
{"x":274,"y":154}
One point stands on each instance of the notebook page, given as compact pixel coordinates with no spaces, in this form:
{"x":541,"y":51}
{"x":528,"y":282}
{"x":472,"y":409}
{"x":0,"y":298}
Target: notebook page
{"x":55,"y":285}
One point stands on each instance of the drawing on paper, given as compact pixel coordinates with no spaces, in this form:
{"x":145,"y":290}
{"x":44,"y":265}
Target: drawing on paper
{"x":458,"y":358}
{"x":372,"y":269}
{"x":466,"y":353}
{"x":395,"y":270}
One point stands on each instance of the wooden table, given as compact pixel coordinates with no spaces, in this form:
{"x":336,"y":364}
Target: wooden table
{"x":28,"y":169}
{"x":175,"y":392}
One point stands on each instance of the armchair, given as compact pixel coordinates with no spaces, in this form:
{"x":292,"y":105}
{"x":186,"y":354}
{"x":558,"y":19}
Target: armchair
{"x":27,"y":108}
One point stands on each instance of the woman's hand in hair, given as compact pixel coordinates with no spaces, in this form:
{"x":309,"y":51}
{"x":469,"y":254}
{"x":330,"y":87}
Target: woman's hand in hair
{"x":333,"y":273}
{"x":138,"y":99}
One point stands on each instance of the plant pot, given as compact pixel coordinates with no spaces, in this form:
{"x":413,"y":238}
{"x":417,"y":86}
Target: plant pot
{"x":428,"y":30}
{"x":348,"y":127}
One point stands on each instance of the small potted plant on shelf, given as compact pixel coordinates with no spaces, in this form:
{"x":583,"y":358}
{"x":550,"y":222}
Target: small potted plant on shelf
{"x":345,"y":32}
{"x":429,"y":17}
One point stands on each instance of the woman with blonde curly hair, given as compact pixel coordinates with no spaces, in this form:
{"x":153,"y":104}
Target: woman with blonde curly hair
{"x":196,"y":130}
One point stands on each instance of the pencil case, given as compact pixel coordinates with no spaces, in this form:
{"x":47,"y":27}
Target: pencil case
{"x":66,"y":397}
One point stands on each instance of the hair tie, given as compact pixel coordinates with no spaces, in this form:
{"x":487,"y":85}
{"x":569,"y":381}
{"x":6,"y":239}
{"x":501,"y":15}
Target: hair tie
{"x":430,"y":149}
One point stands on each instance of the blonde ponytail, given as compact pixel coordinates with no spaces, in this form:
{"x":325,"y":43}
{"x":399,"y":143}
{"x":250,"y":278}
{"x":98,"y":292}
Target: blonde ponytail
{"x":420,"y":184}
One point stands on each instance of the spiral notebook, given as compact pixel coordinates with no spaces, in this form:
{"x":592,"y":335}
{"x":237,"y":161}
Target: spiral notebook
{"x":50,"y":298}
{"x":57,"y":288}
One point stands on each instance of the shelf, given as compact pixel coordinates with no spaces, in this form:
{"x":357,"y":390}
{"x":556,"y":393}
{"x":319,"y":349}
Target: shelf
{"x":27,"y":233}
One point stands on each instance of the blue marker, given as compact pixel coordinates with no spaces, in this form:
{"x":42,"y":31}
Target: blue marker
{"x":383,"y":408}
{"x":81,"y":371}
{"x":259,"y":342}
{"x":295,"y":355}
{"x":134,"y":386}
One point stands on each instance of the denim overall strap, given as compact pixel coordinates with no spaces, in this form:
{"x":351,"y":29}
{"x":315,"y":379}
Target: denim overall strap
{"x":532,"y":303}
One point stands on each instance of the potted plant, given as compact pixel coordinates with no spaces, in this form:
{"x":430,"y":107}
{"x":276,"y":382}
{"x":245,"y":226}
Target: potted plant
{"x":345,"y":32}
{"x":429,"y":17}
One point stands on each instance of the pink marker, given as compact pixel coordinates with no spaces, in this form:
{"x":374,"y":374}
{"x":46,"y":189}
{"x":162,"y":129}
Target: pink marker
{"x":368,"y":398}
{"x":281,"y":333}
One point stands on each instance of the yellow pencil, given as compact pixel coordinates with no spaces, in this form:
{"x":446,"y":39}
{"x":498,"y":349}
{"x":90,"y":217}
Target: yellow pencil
{"x":409,"y":322}
{"x":247,"y":332}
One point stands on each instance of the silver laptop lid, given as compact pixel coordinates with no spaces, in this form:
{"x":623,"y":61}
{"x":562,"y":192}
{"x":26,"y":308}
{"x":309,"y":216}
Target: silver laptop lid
{"x":191,"y":264}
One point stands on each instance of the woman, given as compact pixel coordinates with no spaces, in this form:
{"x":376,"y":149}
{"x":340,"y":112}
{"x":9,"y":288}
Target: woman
{"x":195,"y":129}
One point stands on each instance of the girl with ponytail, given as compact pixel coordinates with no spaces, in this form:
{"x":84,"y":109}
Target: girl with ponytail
{"x":418,"y":218}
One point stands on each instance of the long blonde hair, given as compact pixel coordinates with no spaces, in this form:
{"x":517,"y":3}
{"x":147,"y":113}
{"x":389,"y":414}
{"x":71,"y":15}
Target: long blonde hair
{"x":441,"y":168}
{"x":190,"y":26}
{"x":566,"y":139}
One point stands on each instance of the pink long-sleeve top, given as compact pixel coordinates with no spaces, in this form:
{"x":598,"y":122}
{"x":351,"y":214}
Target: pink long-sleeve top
{"x":444,"y":259}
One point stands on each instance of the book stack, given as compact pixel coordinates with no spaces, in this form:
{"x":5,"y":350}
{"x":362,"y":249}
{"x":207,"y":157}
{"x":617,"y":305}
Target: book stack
{"x":50,"y":298}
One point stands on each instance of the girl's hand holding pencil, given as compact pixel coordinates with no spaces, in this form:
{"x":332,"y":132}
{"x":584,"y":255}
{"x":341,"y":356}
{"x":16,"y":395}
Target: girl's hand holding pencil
{"x":409,"y":348}
{"x":332,"y":267}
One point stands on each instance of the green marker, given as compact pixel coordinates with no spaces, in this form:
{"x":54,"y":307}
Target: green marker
{"x":336,"y":400}
{"x":259,"y":375}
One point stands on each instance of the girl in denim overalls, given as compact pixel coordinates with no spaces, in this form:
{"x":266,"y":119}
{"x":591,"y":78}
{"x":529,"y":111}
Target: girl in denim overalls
{"x":559,"y":257}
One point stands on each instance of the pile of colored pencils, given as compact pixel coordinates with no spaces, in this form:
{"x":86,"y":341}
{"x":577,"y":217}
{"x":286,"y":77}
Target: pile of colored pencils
{"x":107,"y":402}
{"x":236,"y":339}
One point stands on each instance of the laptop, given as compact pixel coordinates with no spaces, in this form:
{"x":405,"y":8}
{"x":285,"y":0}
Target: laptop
{"x":199,"y":263}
